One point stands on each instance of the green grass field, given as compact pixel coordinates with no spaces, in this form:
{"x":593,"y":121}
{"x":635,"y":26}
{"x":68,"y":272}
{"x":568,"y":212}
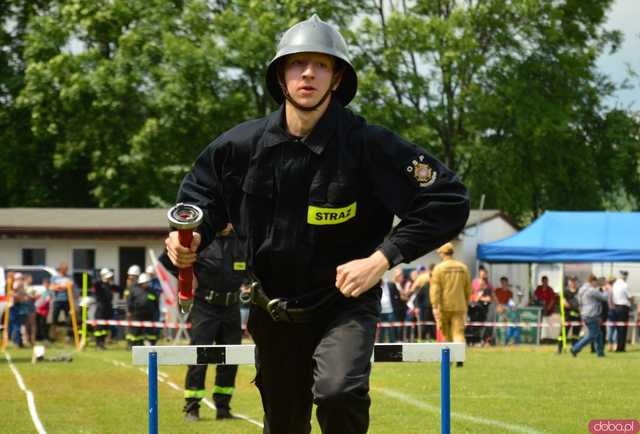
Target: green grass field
{"x":522,"y":390}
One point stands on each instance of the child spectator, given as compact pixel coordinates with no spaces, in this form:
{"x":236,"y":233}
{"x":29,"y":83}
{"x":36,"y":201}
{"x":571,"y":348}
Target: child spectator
{"x":513,"y":316}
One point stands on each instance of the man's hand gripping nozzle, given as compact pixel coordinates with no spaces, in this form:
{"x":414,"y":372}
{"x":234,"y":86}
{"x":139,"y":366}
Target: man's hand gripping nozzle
{"x":185,"y":218}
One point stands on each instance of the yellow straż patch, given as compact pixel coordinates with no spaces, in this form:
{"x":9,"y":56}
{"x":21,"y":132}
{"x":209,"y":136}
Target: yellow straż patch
{"x":330,"y":216}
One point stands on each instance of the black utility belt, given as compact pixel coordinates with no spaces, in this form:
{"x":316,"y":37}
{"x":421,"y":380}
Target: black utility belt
{"x":281,"y":310}
{"x":220,"y":298}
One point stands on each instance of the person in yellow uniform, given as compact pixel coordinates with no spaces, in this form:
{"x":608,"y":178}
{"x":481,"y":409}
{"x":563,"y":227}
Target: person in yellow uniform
{"x":450,"y":293}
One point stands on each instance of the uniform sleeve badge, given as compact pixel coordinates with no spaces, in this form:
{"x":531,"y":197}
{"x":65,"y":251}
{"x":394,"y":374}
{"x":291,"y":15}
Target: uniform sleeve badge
{"x":422,"y":172}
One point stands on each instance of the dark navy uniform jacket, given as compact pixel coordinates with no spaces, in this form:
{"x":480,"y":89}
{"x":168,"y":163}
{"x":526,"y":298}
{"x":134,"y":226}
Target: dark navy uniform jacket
{"x":304,"y":206}
{"x":104,"y":293}
{"x":143,"y":303}
{"x":220,"y":266}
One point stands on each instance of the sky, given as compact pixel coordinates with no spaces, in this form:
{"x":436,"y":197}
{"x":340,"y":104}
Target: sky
{"x":624,"y":16}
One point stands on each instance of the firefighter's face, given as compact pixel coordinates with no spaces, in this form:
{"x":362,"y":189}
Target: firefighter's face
{"x":308,"y":76}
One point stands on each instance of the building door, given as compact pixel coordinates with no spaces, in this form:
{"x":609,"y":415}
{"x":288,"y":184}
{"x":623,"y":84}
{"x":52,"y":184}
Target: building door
{"x":130,"y":256}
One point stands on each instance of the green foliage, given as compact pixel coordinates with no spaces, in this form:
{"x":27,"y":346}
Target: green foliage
{"x":508,"y":94}
{"x":108,"y":102}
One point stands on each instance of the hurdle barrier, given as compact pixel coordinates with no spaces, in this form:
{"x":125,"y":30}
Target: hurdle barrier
{"x":443,"y":352}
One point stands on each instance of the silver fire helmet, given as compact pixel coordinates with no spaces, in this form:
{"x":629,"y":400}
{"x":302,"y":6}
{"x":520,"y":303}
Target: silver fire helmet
{"x":314,"y":36}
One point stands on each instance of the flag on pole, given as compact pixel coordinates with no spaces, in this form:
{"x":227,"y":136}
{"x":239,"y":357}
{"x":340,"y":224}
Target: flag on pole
{"x":167,"y":281}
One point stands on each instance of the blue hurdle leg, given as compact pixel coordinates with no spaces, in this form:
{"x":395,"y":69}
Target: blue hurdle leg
{"x":153,"y":393}
{"x":445,"y":392}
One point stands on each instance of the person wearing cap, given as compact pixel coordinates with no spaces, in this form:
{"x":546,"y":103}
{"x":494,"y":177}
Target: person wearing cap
{"x":103,"y":291}
{"x":621,"y":300}
{"x":450,"y":294}
{"x":143,"y":305}
{"x":311,"y":190}
{"x":215,"y":318}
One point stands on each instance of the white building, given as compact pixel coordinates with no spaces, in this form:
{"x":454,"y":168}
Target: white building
{"x":118,"y":237}
{"x":86,"y":239}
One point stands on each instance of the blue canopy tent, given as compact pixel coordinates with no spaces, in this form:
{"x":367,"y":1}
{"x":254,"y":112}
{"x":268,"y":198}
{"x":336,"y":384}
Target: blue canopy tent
{"x":559,"y":236}
{"x":564,"y":236}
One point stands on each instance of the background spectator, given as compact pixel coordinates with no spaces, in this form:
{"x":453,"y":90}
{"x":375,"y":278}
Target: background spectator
{"x":503,"y":292}
{"x":589,"y":299}
{"x":29,"y":309}
{"x":16,"y":314}
{"x":513,"y":316}
{"x":481,"y":298}
{"x":546,"y":297}
{"x":387,"y":314}
{"x":423,"y":302}
{"x":43,"y":303}
{"x":59,"y":285}
{"x":604,"y":287}
{"x":621,"y":307}
{"x":571,"y":312}
{"x":450,"y":293}
{"x":396,"y":289}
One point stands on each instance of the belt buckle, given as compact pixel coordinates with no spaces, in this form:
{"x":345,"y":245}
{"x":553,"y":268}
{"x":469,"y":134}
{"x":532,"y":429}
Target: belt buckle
{"x":226,"y":298}
{"x":209,"y":297}
{"x":274,"y":310}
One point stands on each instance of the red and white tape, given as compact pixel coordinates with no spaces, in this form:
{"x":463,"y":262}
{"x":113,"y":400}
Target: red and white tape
{"x":505,"y":324}
{"x":132,"y":323}
{"x":158,"y":324}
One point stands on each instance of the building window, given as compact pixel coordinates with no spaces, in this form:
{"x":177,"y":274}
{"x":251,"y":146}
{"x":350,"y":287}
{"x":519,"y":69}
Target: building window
{"x":84,"y":260}
{"x":34,"y":257}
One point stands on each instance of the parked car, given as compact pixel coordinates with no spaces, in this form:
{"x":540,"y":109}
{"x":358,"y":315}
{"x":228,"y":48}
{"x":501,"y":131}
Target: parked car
{"x":38,"y":273}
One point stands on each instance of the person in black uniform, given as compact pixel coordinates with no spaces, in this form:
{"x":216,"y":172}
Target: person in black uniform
{"x":215,"y":317}
{"x":104,"y":290}
{"x":571,"y":312}
{"x":311,"y":191}
{"x":143,"y":305}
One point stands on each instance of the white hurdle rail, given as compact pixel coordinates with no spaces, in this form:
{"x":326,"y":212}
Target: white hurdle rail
{"x":152,"y":356}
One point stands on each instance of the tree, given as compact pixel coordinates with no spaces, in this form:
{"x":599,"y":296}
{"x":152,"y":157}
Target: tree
{"x":505,"y":91}
{"x":111,"y":100}
{"x":131,"y":91}
{"x":125,"y":90}
{"x":27,"y":173}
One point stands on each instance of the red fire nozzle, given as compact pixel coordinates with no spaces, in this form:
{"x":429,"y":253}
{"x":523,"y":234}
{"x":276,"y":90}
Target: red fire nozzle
{"x":185,"y":218}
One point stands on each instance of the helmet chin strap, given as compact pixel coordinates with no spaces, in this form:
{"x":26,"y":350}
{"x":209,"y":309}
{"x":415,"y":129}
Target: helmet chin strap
{"x":294,"y":103}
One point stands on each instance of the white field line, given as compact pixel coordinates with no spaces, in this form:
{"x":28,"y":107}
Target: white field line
{"x":30,"y":400}
{"x":236,"y":415}
{"x":503,"y":426}
{"x":163,"y":378}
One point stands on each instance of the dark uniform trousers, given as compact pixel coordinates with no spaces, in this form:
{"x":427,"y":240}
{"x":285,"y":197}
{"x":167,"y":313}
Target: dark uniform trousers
{"x":137,"y":334}
{"x":100,"y":332}
{"x":220,"y":324}
{"x":143,"y":304}
{"x":104,"y":310}
{"x":326,"y":361}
